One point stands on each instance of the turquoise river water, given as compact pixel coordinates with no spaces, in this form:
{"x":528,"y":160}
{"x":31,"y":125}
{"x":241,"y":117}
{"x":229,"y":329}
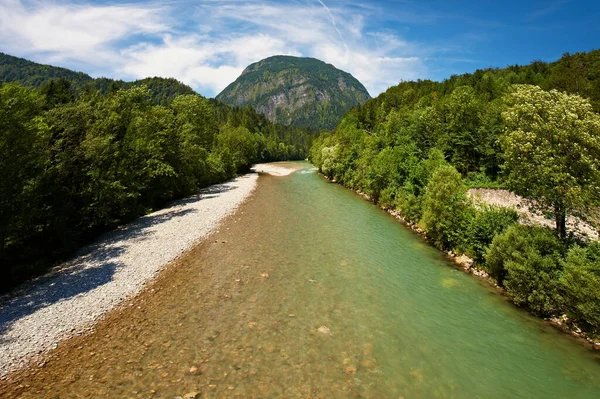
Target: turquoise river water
{"x":311,"y":291}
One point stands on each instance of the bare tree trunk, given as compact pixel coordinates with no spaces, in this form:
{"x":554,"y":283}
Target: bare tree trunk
{"x":560,"y":217}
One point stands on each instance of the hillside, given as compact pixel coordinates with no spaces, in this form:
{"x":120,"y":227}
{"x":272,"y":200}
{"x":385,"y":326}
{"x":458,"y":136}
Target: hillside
{"x":32,"y":74}
{"x":302,"y":92}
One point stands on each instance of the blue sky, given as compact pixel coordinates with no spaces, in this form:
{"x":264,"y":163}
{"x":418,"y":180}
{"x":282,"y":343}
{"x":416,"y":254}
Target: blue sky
{"x":207,"y":43}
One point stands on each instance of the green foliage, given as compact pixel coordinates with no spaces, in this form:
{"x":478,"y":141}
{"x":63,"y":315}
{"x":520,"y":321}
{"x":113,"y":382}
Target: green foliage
{"x":547,"y":142}
{"x":515,"y":242}
{"x":236,"y":147}
{"x":73,"y":167}
{"x":446,"y":208}
{"x":56,"y":83}
{"x":527,"y":261}
{"x":57,"y":92}
{"x":482,"y":180}
{"x":22,"y":161}
{"x":31,"y":74}
{"x":302,"y":92}
{"x":487,"y":223}
{"x":552,"y":151}
{"x":580,"y":283}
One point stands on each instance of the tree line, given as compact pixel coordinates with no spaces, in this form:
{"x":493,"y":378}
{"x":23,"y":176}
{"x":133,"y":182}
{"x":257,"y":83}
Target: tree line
{"x":535,"y":130}
{"x":76,"y":164}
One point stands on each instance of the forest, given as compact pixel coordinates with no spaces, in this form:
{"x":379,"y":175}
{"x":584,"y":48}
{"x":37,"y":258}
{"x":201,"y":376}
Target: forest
{"x":77,"y":162}
{"x":534,"y":129}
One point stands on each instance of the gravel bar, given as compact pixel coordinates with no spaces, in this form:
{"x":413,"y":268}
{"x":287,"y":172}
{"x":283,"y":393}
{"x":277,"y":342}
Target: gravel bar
{"x":77,"y":293}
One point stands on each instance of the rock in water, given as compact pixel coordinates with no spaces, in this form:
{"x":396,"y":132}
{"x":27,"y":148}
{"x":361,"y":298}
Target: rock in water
{"x":324,"y":330}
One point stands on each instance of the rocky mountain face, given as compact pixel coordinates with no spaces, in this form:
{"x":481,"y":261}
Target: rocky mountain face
{"x":303,"y":92}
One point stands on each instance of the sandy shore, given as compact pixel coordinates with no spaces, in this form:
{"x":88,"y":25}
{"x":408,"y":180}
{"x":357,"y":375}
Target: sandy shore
{"x":116,"y":267}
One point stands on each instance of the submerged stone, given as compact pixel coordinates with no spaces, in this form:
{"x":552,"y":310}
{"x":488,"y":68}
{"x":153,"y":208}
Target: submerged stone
{"x":324,"y":330}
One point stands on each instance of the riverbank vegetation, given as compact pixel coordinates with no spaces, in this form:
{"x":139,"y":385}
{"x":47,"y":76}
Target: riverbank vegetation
{"x":75,"y":164}
{"x":533,"y":129}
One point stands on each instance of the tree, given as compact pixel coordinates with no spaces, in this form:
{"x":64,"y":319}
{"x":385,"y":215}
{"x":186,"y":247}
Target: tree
{"x":57,"y":92}
{"x":22,"y":161}
{"x":580,"y":283}
{"x":446,"y":208}
{"x":552,"y":151}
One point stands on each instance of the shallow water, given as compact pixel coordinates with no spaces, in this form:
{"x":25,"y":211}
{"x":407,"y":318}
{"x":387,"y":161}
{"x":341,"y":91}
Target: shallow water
{"x":244,"y":315}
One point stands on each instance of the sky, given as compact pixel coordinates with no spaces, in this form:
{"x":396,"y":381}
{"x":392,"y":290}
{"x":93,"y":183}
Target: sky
{"x":208,"y":43}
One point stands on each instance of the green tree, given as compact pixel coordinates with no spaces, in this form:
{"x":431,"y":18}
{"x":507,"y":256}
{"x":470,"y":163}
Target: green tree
{"x":514,"y":243}
{"x":527,"y":260}
{"x":552,"y":151}
{"x":446,"y":208}
{"x":237,"y":148}
{"x":580,"y":283}
{"x":57,"y":92}
{"x":487,"y":224}
{"x":22,"y":161}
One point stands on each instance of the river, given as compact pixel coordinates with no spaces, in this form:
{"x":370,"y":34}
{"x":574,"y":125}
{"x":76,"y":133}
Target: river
{"x":311,"y":291}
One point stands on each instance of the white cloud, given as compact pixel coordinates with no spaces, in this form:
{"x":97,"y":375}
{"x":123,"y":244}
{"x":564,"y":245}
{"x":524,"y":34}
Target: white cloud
{"x":206,"y":44}
{"x":200,"y":61}
{"x":81,"y":33}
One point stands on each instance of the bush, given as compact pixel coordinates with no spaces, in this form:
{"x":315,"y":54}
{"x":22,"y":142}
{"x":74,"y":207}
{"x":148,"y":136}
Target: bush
{"x":446,"y":208}
{"x":481,"y":180}
{"x":487,"y":223}
{"x":532,"y":281}
{"x":527,"y":261}
{"x":580,"y":285}
{"x":409,"y":204}
{"x":387,"y":197}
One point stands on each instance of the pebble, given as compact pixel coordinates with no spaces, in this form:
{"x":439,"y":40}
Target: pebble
{"x":368,"y":364}
{"x":324,"y":330}
{"x":37,"y":325}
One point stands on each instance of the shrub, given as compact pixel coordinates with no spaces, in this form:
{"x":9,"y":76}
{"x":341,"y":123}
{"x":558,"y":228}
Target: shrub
{"x":580,"y":285}
{"x":487,"y":223}
{"x":387,"y":197}
{"x":532,"y":281}
{"x":481,"y":180}
{"x":527,"y":261}
{"x":410,"y":205}
{"x":446,"y":208}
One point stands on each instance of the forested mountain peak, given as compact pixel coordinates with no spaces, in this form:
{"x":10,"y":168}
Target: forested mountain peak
{"x":32,"y":74}
{"x":303,"y":92}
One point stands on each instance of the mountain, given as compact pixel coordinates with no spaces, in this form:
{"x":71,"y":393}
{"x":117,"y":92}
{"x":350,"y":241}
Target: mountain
{"x":303,"y":92}
{"x":32,"y":74}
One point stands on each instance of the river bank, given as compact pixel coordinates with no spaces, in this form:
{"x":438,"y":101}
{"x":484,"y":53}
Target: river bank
{"x":309,"y":291}
{"x":76,"y":294}
{"x":469,"y":266}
